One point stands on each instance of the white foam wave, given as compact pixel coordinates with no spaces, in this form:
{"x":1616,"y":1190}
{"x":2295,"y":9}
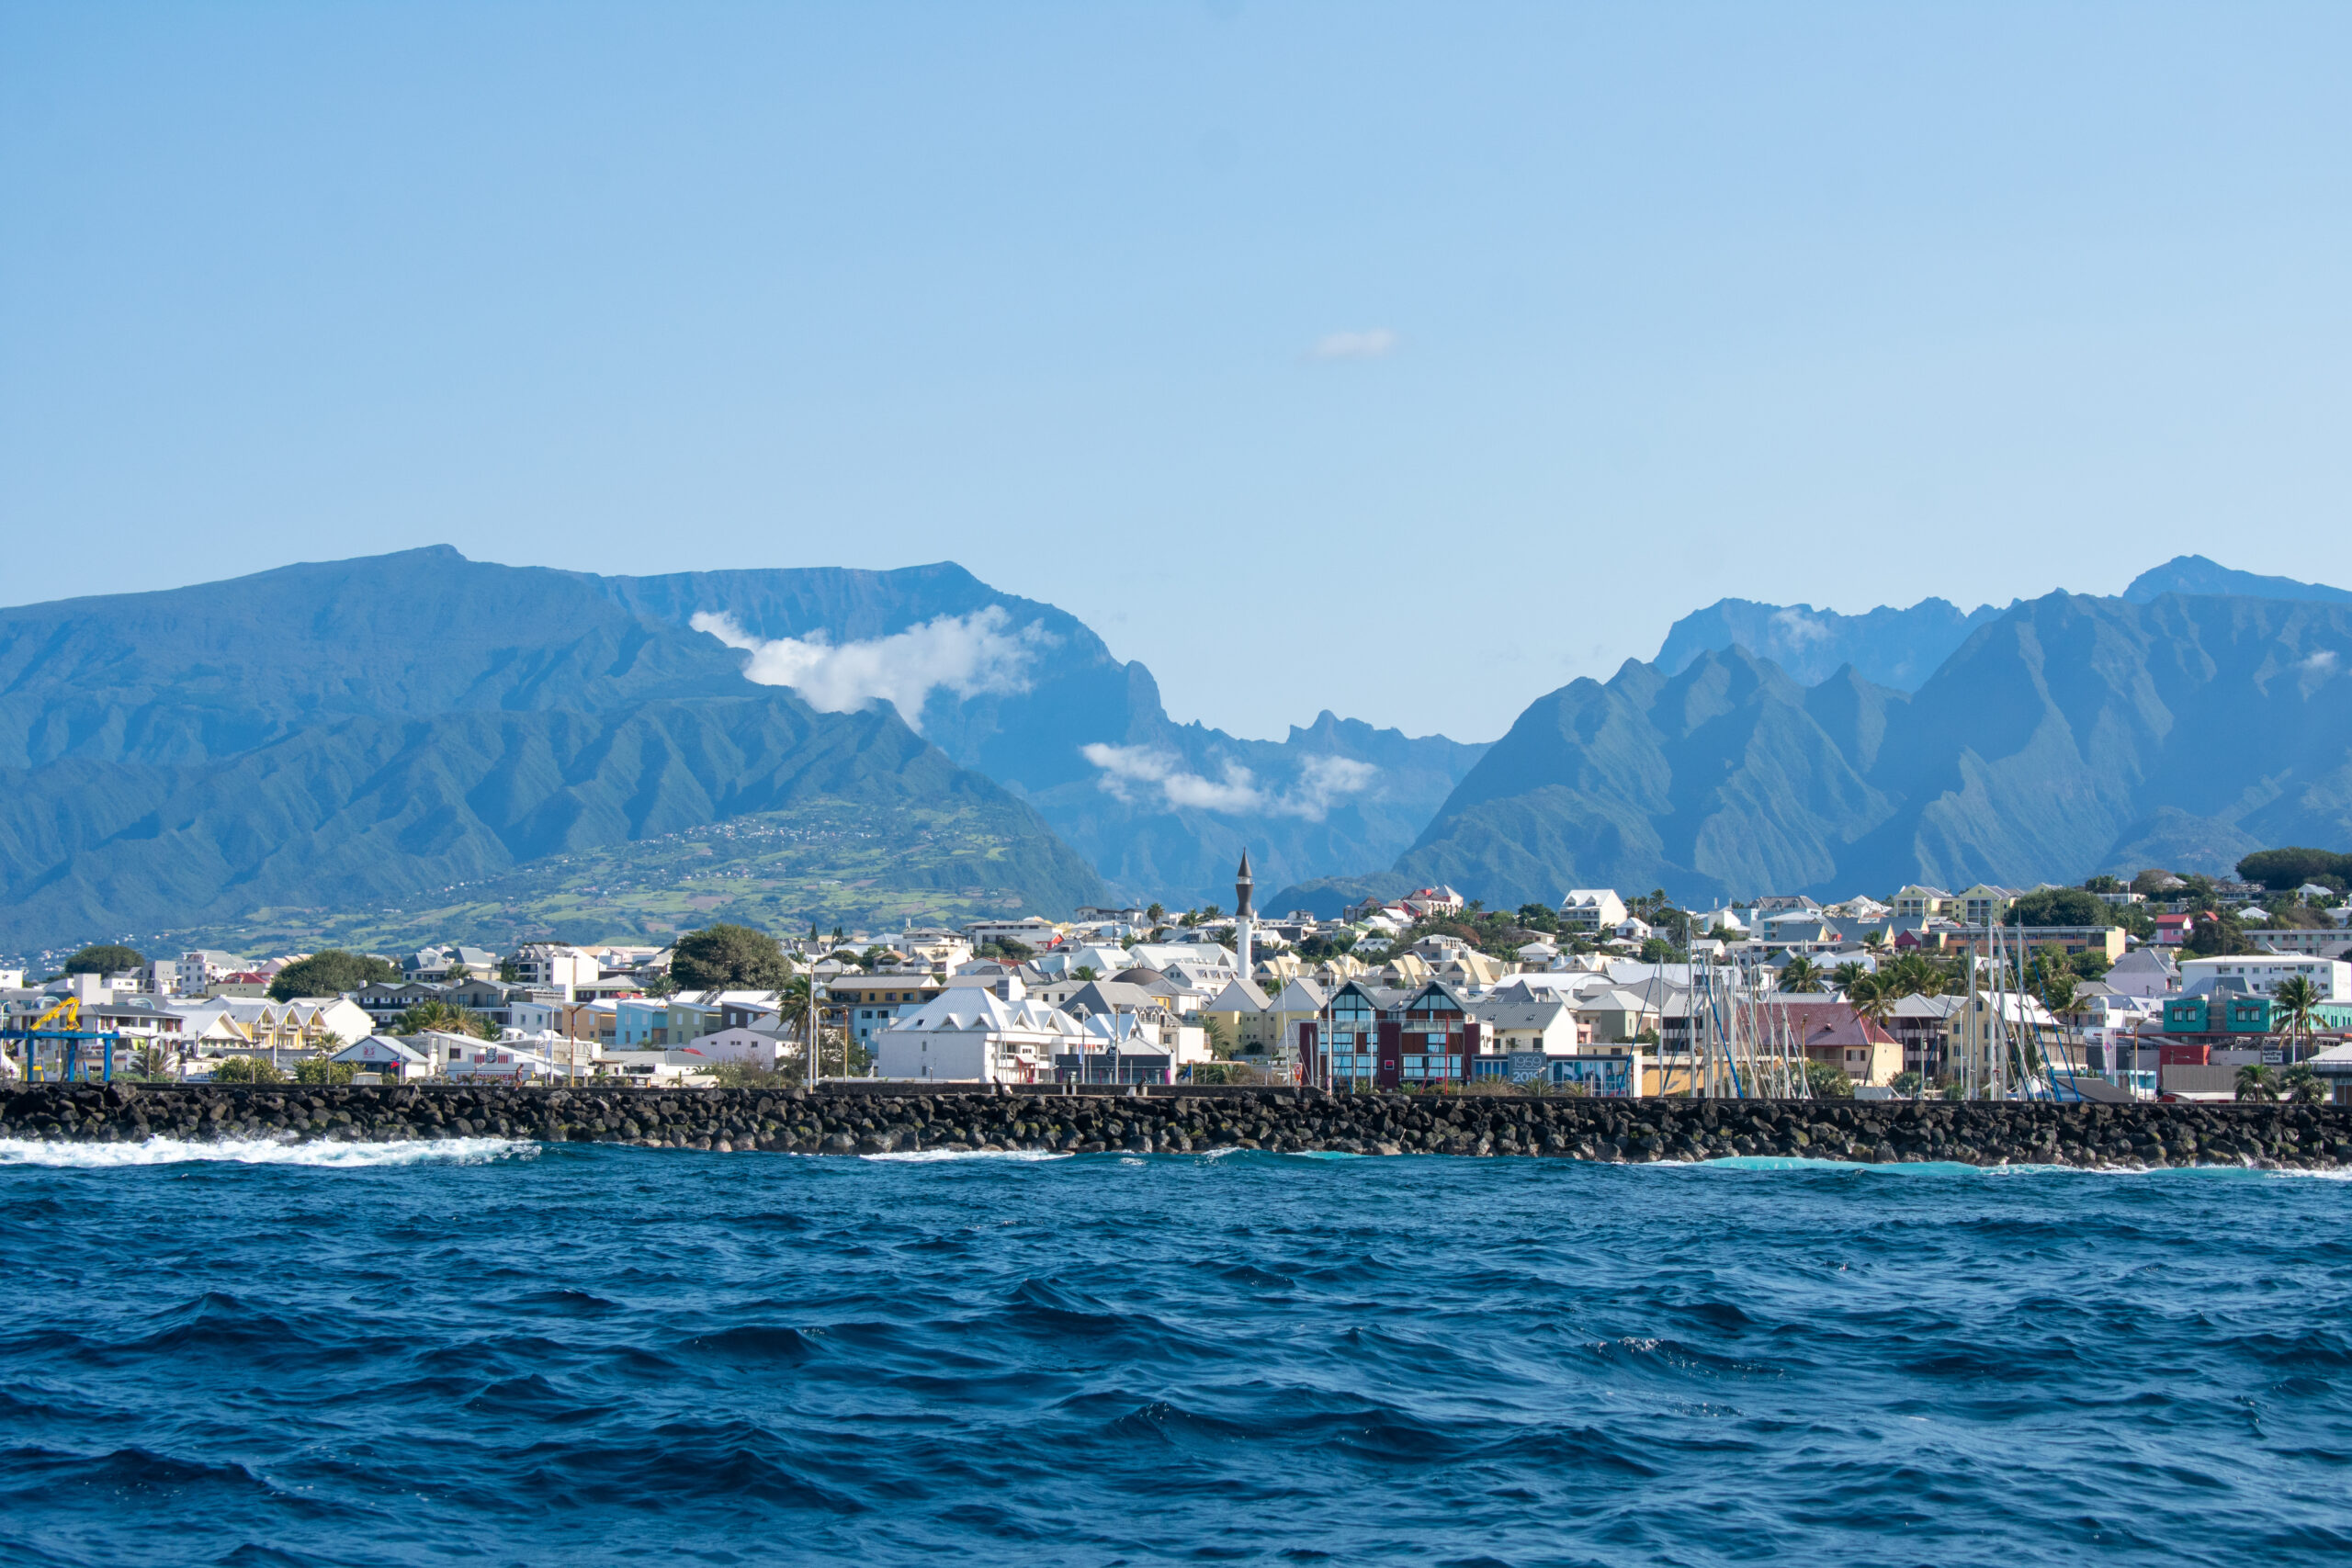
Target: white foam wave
{"x":929,"y":1157}
{"x":260,"y":1151}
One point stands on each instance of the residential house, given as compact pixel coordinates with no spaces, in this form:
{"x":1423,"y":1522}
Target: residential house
{"x":1983,"y":904}
{"x":2145,"y":971}
{"x":1920,"y":902}
{"x":558,"y":967}
{"x":1922,"y":1027}
{"x":976,"y":1034}
{"x":866,"y":1004}
{"x":1590,"y":912}
{"x":1835,"y":1033}
{"x":384,"y":1059}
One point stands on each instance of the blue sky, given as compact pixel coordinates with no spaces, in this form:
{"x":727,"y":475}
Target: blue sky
{"x":1403,"y":360}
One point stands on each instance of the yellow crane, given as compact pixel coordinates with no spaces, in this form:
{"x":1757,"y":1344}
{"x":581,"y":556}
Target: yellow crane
{"x":62,"y":1021}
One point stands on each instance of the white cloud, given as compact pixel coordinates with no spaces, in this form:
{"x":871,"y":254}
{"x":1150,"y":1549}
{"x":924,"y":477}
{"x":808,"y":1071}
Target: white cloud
{"x":2323,"y":661}
{"x":1375,"y":342}
{"x":1798,"y":629}
{"x":968,"y":655}
{"x":1130,"y":771}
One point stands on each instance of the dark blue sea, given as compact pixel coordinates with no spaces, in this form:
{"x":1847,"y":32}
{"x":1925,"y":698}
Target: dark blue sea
{"x":514,"y":1354}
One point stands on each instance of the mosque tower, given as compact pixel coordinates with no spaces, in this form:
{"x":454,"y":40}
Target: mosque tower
{"x":1244,"y":916}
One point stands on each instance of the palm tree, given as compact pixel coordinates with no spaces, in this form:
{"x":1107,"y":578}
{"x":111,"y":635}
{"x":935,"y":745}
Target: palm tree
{"x":792,"y":1000}
{"x":1849,"y":974}
{"x":1871,"y":998}
{"x":1799,"y":974}
{"x":2295,"y":1005}
{"x":2302,"y":1085}
{"x":2061,"y":994}
{"x":2258,"y":1082}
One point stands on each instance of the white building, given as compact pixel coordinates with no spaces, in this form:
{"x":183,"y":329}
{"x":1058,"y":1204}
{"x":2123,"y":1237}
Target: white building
{"x":2319,"y":941}
{"x":764,"y":1048}
{"x":2145,"y":971}
{"x":2261,"y":974}
{"x":976,"y":1035}
{"x":554,"y":966}
{"x":1030,"y":931}
{"x":1588,"y":912}
{"x":389,"y":1059}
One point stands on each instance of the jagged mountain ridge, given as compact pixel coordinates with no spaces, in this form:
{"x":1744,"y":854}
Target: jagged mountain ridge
{"x":2069,"y":735}
{"x":1889,"y":647}
{"x":357,"y":731}
{"x":314,"y":734}
{"x":1901,"y":648}
{"x":1146,"y":841}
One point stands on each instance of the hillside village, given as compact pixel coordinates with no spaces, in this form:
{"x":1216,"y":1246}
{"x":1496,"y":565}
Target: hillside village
{"x":2166,"y":986}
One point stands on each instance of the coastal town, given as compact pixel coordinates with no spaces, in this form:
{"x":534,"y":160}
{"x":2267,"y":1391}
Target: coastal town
{"x":2164,"y":987}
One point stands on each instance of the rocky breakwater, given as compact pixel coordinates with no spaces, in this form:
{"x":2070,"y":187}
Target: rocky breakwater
{"x":872,"y":1119}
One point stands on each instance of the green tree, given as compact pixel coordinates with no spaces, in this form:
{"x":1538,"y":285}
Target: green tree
{"x":728,"y":958}
{"x":246,"y":1069}
{"x":1826,"y":1082}
{"x":1086,"y":972}
{"x":509,"y":971}
{"x":319,"y":1070}
{"x":107,"y":958}
{"x":662,"y":984}
{"x":2295,"y":1008}
{"x":2061,"y":993}
{"x":1909,"y":1082}
{"x":1872,"y":998}
{"x":2258,"y":1082}
{"x":2281,"y":870}
{"x":1155,"y":914}
{"x":152,"y":1062}
{"x":2215,"y":934}
{"x":2102,"y":883}
{"x":331,"y":974}
{"x":2059,"y":906}
{"x":1799,"y":974}
{"x":1222,"y":1045}
{"x":1008,"y":950}
{"x":2302,"y":1085}
{"x":1849,"y":974}
{"x":749,"y":1074}
{"x":445,"y":1018}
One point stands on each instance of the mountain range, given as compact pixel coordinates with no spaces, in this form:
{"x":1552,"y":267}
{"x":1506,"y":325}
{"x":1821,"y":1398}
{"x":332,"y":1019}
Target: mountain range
{"x":2066,"y":736}
{"x":383,"y":730}
{"x":422,"y":737}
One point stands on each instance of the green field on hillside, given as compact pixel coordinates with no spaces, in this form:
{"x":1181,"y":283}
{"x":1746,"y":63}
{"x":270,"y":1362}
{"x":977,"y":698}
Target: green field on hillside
{"x":830,"y":861}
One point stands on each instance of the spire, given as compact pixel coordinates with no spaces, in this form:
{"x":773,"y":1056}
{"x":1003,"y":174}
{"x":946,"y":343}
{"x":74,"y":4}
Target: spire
{"x":1242,"y":883}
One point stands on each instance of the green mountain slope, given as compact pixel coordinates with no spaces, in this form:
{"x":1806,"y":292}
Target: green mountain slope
{"x":2071,"y":735}
{"x":358,"y":731}
{"x":827,"y":861}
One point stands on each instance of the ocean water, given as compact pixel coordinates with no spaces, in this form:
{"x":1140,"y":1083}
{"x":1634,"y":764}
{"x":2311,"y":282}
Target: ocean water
{"x":500,"y":1353}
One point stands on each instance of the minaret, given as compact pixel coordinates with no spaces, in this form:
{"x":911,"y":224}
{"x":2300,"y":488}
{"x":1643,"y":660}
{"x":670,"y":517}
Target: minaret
{"x":1244,"y":917}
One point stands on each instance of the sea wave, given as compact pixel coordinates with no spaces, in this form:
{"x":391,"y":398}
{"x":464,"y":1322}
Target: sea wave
{"x":260,"y":1151}
{"x":943,"y":1156}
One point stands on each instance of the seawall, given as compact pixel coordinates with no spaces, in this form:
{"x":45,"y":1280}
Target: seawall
{"x":878,"y":1119}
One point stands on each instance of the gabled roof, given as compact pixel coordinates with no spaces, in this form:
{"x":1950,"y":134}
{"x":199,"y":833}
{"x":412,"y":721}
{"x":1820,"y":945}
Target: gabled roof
{"x":1100,"y":996}
{"x":1238,"y":996}
{"x":1301,"y":994}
